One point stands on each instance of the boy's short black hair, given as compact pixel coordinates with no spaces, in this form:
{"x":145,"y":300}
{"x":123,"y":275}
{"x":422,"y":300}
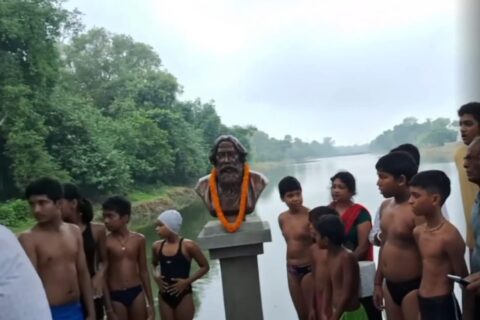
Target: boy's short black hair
{"x":49,"y":187}
{"x":72,"y":192}
{"x":318,"y":212}
{"x":398,"y":163}
{"x":288,"y":184}
{"x":330,"y":226}
{"x":433,"y":181}
{"x":118,"y":204}
{"x":472,"y":108}
{"x":411,"y":150}
{"x":348,"y":180}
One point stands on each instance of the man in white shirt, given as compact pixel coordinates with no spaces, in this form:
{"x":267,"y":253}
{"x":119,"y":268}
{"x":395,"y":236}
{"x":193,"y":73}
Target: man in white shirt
{"x":21,"y":291}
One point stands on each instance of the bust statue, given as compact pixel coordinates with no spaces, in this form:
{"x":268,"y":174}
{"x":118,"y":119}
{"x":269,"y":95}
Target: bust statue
{"x":228,"y":156}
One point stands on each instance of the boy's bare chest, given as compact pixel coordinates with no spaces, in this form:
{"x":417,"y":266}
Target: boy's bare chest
{"x":119,"y":249}
{"x":55,"y":248}
{"x":293,"y":226}
{"x":296,"y":230}
{"x":431,"y":246}
{"x":398,"y":226}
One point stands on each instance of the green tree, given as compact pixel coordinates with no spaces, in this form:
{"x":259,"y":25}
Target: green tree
{"x":29,"y":66}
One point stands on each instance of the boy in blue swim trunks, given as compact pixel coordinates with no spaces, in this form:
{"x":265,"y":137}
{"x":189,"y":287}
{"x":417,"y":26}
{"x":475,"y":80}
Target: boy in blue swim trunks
{"x":129,"y":294}
{"x":55,"y":249}
{"x":294,"y":225}
{"x":341,"y":290}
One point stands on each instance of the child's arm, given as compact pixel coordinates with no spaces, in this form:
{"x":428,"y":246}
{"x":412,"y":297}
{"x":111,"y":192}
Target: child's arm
{"x":374,"y":234}
{"x":349,"y":285}
{"x":29,"y":247}
{"x":106,"y":291}
{"x":182,"y":284}
{"x":155,"y":262}
{"x":455,"y":248}
{"x":108,"y":302}
{"x":378,"y":283}
{"x":143,"y":270}
{"x":157,"y":274}
{"x":327,"y":299}
{"x":363,"y":230}
{"x":280,"y":224}
{"x":84,"y":277}
{"x":97,"y":281}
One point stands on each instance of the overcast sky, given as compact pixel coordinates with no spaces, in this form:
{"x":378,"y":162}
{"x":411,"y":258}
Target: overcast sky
{"x":347,"y":69}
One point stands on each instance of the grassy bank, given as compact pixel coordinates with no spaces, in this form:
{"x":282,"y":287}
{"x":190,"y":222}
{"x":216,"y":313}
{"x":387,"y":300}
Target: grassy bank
{"x":147,"y":205}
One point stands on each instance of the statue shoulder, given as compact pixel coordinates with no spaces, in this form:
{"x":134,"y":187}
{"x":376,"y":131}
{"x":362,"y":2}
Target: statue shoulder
{"x":202,"y":185}
{"x":258,"y":178}
{"x":258,"y":182}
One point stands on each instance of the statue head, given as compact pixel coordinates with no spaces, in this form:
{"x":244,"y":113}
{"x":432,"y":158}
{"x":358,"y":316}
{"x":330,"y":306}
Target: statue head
{"x":228,"y":156}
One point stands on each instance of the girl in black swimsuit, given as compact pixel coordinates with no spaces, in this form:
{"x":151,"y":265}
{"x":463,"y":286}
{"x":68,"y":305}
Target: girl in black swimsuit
{"x":174,"y":255}
{"x":79,"y":211}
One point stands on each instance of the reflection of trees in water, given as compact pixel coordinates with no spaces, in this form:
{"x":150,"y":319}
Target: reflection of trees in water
{"x":275,"y":174}
{"x":194,"y":218}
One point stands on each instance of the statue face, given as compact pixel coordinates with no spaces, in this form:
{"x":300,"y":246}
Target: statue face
{"x":229,"y":166}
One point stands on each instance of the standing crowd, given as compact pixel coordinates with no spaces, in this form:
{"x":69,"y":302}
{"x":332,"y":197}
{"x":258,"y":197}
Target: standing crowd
{"x":67,"y":267}
{"x":421,"y":254}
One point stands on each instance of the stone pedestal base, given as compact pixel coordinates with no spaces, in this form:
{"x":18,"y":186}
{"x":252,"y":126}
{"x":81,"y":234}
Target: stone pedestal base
{"x":237,"y":253}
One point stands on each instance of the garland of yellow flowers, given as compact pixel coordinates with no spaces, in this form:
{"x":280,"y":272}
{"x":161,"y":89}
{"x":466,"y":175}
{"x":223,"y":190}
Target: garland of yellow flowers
{"x":229,"y":226}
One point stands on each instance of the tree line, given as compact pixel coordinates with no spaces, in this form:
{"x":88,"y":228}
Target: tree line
{"x":430,"y":133}
{"x":93,"y":107}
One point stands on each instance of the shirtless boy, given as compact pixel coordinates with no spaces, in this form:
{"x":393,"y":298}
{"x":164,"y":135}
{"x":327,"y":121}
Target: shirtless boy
{"x":127,"y":275}
{"x":344,"y":274}
{"x":295,"y":229}
{"x":399,"y":258}
{"x":320,"y":274}
{"x":55,"y":249}
{"x":441,"y":247}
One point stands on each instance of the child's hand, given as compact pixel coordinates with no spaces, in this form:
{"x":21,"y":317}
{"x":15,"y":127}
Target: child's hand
{"x":97,"y":286}
{"x":162,"y":284}
{"x":150,"y":313}
{"x":378,"y":297}
{"x":474,"y":280}
{"x":179,"y":286}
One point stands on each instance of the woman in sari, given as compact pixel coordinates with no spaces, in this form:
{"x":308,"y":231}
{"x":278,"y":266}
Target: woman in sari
{"x":358,"y":223}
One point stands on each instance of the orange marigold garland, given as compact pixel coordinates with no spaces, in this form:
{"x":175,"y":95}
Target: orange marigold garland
{"x":229,"y":226}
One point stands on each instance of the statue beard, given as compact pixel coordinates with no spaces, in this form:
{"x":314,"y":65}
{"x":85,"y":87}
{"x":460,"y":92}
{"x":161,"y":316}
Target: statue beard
{"x":230,"y":179}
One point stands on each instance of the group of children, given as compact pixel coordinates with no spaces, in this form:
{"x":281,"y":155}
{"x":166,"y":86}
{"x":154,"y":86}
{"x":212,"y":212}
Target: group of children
{"x":420,"y":250}
{"x":86,"y":271}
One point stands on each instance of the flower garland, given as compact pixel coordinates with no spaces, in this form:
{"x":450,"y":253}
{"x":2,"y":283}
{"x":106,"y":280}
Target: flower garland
{"x":229,"y":226}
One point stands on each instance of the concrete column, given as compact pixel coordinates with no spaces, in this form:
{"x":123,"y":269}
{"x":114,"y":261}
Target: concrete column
{"x":237,"y":253}
{"x":469,"y":20}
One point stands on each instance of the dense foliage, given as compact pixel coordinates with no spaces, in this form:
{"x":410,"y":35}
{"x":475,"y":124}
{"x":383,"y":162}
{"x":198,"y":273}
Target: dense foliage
{"x":92,"y":107}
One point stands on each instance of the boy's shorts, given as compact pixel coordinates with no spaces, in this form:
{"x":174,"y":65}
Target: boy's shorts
{"x":358,"y":314}
{"x":69,"y":311}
